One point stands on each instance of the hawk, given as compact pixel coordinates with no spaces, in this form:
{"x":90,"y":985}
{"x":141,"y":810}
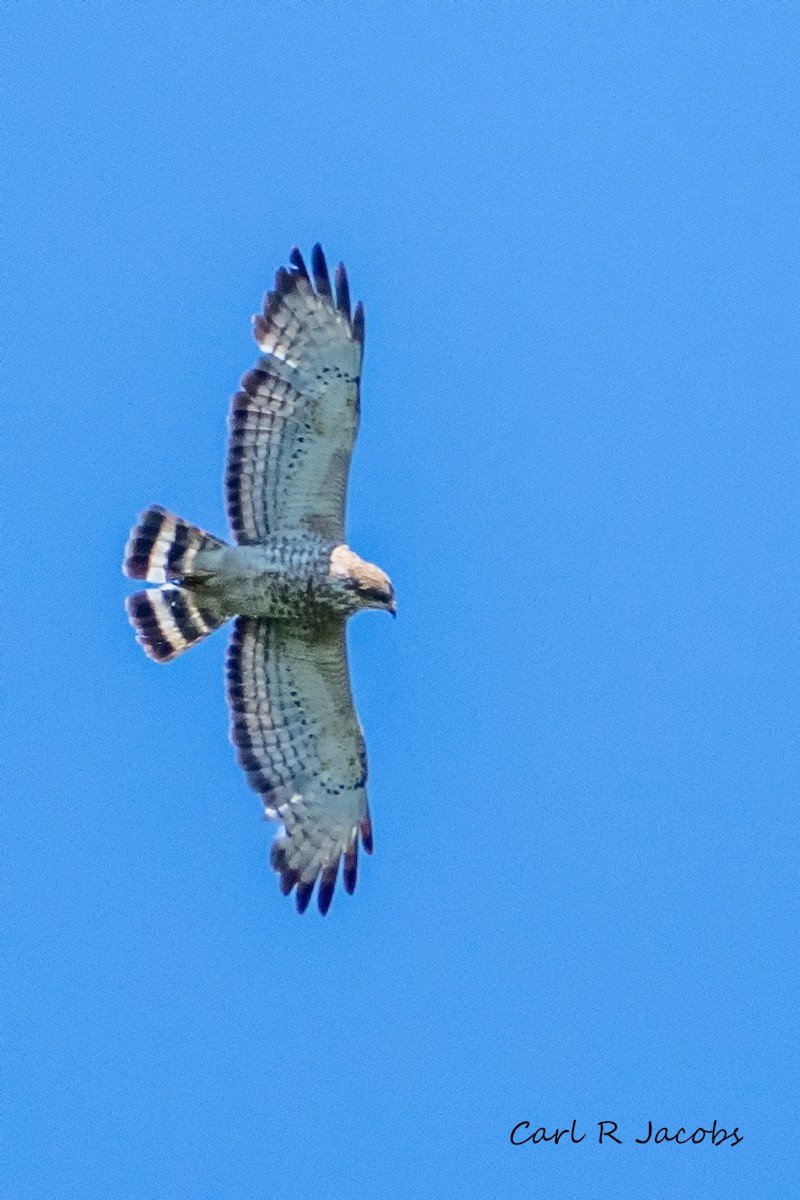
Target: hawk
{"x":290,"y":581}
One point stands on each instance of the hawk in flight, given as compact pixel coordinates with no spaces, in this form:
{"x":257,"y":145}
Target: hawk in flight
{"x":290,"y":582}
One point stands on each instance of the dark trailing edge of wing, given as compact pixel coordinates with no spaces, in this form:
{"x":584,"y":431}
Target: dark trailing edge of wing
{"x":252,"y":380}
{"x":269,"y":789}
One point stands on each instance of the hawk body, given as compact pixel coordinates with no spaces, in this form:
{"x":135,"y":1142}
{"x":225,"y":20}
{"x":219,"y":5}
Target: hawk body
{"x":291,"y":582}
{"x":286,"y":577}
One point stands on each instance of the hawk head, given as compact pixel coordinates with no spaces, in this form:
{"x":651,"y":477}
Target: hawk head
{"x":368,"y":585}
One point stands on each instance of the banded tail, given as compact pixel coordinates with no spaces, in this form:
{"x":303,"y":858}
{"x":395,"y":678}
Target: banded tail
{"x":164,"y":547}
{"x":168,"y":619}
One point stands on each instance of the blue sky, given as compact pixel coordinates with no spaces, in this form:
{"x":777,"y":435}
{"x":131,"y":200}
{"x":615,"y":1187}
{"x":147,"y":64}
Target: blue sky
{"x":574,"y":230}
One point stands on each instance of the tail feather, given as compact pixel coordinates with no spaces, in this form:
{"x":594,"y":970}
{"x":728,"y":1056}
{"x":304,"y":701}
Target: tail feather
{"x":164,"y":547}
{"x":168,"y":620}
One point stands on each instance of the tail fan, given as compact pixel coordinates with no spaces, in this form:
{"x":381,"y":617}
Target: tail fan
{"x":164,"y":547}
{"x":168,"y":620}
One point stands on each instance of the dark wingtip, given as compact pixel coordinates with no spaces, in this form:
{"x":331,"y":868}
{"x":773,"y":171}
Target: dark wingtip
{"x":366,"y":834}
{"x":342,"y":290}
{"x":358,"y":323}
{"x":351,"y":868}
{"x":285,"y":281}
{"x":298,"y":263}
{"x":304,"y":891}
{"x":277,"y":852}
{"x":327,"y":883}
{"x":319,"y":269}
{"x":288,"y":880}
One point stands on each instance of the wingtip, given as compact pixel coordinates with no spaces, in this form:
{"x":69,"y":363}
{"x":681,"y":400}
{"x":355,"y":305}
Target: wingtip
{"x":297,"y":276}
{"x":342,"y":290}
{"x":351,"y":868}
{"x":298,"y":262}
{"x":303,"y":899}
{"x":319,"y":268}
{"x":285,"y":282}
{"x":358,"y":323}
{"x":288,"y":881}
{"x":327,"y":886}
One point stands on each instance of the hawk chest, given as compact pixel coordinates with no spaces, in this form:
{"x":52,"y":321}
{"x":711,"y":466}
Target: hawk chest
{"x":284,"y":577}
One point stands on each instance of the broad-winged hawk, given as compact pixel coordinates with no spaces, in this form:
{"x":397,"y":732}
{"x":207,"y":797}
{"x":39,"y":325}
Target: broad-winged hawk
{"x":290,"y":581}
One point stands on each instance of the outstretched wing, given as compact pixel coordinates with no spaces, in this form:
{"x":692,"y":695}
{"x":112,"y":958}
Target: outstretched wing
{"x":293,"y":424}
{"x":299,"y":741}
